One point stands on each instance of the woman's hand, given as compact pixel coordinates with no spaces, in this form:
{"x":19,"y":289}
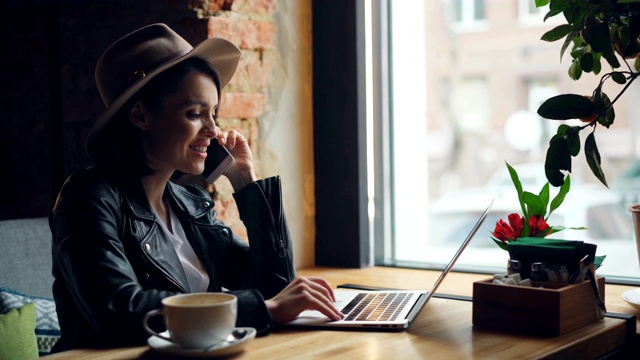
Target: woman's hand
{"x":303,"y":293}
{"x":241,"y":172}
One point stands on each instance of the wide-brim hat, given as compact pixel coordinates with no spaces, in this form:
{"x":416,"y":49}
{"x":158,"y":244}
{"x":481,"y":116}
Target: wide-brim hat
{"x":131,"y":62}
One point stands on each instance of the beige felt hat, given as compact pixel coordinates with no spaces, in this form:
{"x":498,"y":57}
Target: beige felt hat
{"x":129,"y":63}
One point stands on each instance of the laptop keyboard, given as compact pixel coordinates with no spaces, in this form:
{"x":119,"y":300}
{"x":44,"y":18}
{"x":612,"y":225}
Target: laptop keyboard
{"x":375,"y":306}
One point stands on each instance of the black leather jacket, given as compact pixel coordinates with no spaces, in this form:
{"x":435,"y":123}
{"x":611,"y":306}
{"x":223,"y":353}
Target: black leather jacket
{"x":112,"y":263}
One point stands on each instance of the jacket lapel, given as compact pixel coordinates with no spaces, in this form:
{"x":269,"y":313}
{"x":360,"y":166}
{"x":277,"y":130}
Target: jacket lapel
{"x":153,"y":240}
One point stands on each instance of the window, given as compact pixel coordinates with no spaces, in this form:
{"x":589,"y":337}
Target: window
{"x":465,"y":11}
{"x":463,"y":103}
{"x":530,"y":15}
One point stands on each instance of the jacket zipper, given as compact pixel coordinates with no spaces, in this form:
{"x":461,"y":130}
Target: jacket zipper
{"x":282,"y":253}
{"x":164,"y":273}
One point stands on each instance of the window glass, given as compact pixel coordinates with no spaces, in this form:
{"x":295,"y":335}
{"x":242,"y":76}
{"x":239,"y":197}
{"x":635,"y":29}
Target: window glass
{"x":464,"y":103}
{"x":468,"y":11}
{"x":467,"y":14}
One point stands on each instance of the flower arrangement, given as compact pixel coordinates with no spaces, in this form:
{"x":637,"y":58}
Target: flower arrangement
{"x":536,"y":210}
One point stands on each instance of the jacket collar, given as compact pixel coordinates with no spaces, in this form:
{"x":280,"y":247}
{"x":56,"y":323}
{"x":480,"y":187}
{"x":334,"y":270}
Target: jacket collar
{"x":190,"y":201}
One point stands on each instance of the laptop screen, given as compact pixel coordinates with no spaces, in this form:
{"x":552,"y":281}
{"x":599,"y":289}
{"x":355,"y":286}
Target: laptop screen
{"x":460,"y":250}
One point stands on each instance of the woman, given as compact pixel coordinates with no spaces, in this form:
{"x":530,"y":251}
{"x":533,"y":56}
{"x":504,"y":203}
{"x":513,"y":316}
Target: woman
{"x":125,"y":236}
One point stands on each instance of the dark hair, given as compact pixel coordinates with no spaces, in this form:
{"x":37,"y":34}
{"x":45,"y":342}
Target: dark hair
{"x":119,"y":149}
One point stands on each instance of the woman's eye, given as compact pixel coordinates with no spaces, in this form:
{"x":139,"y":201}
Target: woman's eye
{"x":194,"y":115}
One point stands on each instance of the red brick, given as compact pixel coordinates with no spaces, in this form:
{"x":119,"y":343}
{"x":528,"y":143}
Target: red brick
{"x":242,"y":105}
{"x":247,"y":34}
{"x":259,"y":7}
{"x":254,"y":72}
{"x":258,"y":34}
{"x":223,"y":28}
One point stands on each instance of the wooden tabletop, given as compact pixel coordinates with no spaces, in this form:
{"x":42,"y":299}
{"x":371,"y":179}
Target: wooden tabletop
{"x":443,"y":328}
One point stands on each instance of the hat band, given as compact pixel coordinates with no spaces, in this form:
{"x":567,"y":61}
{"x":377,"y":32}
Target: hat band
{"x":136,"y":76}
{"x":140,"y":74}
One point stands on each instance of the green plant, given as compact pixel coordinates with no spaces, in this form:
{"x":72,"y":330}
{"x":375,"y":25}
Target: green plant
{"x":536,"y":209}
{"x":595,"y":30}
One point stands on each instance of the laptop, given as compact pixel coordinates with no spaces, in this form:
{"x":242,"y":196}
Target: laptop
{"x":382,"y":310}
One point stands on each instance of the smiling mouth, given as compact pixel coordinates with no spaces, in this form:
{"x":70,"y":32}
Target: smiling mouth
{"x":201,"y":149}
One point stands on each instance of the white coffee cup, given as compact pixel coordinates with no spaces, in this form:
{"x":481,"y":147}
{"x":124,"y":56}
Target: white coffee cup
{"x":196,"y":320}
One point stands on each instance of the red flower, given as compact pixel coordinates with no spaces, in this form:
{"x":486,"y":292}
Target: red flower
{"x":511,"y":231}
{"x":537,"y":225}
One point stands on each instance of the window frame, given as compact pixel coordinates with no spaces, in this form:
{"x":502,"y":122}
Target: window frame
{"x":340,"y":140}
{"x":343,"y":229}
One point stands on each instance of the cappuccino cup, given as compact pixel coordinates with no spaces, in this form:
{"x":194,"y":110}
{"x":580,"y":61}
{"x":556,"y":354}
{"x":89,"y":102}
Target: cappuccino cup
{"x":196,"y":320}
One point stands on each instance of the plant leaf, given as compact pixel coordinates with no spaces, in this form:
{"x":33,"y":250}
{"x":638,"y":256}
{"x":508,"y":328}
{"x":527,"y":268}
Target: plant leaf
{"x":543,"y":233}
{"x":555,"y":229}
{"x":558,"y":5}
{"x":502,"y":244}
{"x":593,"y":158}
{"x":556,"y":33}
{"x":558,"y":159}
{"x":551,"y":13}
{"x":534,"y":204}
{"x":597,"y":65}
{"x":574,"y":141}
{"x":566,"y":106}
{"x":562,"y":193}
{"x":618,"y":77}
{"x":596,"y":34}
{"x":574,"y":15}
{"x":516,"y":182}
{"x":541,"y":3}
{"x":575,"y":70}
{"x":603,"y":103}
{"x":526,"y":229}
{"x":544,"y":197}
{"x":568,"y":40}
{"x":610,"y":56}
{"x":586,"y":62}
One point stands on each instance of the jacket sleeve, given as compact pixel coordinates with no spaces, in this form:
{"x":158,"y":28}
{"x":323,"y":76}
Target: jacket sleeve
{"x":270,"y":259}
{"x":93,"y":275}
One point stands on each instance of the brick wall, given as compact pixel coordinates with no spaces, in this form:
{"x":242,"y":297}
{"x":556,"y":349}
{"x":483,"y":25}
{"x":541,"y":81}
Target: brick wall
{"x":249,"y":25}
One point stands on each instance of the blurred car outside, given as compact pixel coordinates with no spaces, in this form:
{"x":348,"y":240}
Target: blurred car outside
{"x":602,"y":211}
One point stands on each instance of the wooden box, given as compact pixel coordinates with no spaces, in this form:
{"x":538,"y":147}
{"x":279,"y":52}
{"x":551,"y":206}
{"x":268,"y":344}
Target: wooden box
{"x":553,"y":310}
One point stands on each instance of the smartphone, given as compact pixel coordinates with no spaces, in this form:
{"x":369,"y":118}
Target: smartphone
{"x":217,"y":161}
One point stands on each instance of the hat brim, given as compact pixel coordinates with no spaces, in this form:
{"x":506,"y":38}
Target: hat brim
{"x":222,"y":56}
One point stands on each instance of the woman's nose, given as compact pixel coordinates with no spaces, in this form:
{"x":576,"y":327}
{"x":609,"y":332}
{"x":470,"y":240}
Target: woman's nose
{"x":210,"y":127}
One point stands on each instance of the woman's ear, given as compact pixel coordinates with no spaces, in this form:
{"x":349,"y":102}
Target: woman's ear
{"x":138,"y":116}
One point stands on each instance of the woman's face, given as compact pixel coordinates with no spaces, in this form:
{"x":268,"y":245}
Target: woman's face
{"x":180,"y":131}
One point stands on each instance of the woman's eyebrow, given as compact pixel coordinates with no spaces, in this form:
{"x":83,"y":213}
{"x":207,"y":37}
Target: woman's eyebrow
{"x":194,"y":102}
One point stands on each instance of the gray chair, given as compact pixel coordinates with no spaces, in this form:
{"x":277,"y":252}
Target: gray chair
{"x":25,"y":256}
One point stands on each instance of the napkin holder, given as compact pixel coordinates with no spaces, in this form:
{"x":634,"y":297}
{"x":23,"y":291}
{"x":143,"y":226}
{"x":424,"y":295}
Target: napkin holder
{"x":545,"y":309}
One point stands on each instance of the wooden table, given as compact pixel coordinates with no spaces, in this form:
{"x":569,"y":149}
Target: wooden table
{"x":442,"y":330}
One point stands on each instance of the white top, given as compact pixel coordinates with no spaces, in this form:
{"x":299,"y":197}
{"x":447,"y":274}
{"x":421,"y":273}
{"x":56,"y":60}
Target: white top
{"x":197,"y":276}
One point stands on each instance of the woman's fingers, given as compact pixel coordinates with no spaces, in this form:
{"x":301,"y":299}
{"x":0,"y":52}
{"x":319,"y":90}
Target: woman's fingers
{"x":325,"y":287}
{"x":232,"y":138}
{"x":321,"y":298}
{"x":303,"y":293}
{"x":328,"y":309}
{"x":229,"y":139}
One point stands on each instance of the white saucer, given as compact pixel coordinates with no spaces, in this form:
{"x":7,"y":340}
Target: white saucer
{"x":224,"y":348}
{"x":632,"y":297}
